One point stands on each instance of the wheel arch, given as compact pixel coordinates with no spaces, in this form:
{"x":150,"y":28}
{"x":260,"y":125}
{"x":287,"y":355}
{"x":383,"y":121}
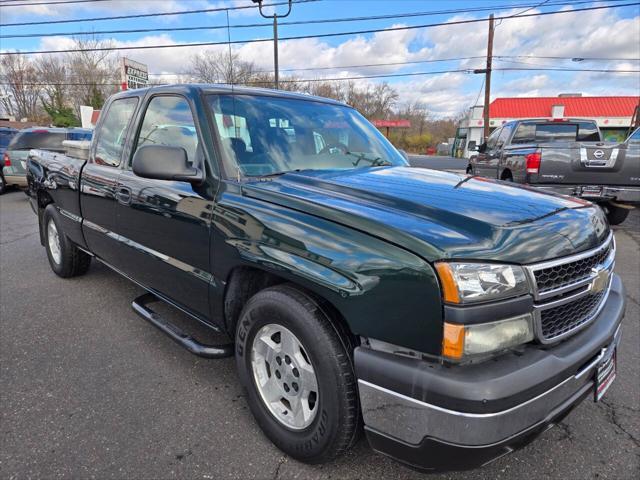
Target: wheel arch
{"x":506,"y":174}
{"x":43,"y":199}
{"x":243,"y":282}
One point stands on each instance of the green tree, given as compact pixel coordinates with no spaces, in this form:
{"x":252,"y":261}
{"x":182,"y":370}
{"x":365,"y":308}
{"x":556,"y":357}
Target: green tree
{"x":61,"y":116}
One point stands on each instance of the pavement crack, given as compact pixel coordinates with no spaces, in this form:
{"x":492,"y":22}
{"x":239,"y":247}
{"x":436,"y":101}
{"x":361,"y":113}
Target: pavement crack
{"x":14,"y":240}
{"x":276,"y":474}
{"x":612,"y":413}
{"x":568,"y":435}
{"x":632,"y":300}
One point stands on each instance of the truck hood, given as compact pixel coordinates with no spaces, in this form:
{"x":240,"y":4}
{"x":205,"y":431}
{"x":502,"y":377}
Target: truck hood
{"x":442,"y":215}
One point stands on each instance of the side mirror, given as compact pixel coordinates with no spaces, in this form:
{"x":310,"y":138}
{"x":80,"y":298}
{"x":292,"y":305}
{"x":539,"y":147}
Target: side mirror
{"x":483,"y":147}
{"x":163,"y":162}
{"x":404,"y":154}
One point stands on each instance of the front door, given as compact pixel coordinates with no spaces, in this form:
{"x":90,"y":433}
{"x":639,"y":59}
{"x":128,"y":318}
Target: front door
{"x":484,"y":159}
{"x":100,"y":178}
{"x":163,"y":225}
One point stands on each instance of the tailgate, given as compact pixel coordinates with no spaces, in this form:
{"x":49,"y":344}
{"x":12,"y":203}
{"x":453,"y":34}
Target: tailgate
{"x":586,"y":164}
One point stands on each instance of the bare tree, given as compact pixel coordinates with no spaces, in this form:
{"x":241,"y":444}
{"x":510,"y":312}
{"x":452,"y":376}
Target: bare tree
{"x":220,"y":67}
{"x":20,"y":86}
{"x":94,"y":73}
{"x":53,"y":74}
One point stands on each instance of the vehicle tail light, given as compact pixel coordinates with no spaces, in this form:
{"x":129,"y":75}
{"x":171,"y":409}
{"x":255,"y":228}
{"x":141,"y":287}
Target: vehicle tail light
{"x":533,"y":162}
{"x":6,"y":160}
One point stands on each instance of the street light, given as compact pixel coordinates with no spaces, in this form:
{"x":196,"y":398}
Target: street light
{"x":275,"y":35}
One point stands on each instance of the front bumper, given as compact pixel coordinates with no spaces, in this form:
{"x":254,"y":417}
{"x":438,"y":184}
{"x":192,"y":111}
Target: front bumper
{"x":437,"y":417}
{"x":621,"y":194}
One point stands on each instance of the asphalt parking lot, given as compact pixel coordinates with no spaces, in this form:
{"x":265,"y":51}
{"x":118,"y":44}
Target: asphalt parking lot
{"x":88,"y":389}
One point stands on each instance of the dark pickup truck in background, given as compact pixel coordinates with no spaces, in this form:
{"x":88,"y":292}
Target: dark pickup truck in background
{"x":566,"y":157}
{"x":455,"y":317}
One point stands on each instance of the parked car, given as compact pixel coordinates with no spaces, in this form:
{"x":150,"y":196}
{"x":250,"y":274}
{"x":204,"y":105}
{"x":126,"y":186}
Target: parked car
{"x":15,"y":156}
{"x":567,"y":157}
{"x":6,"y":134}
{"x":455,"y":316}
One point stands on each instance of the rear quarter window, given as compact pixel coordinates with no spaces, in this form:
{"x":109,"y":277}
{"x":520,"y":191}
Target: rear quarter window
{"x":38,"y":139}
{"x":556,"y":132}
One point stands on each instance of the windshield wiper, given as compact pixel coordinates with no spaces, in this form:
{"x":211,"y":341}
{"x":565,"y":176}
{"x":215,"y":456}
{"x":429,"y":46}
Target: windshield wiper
{"x":375,"y":162}
{"x":277,"y":174}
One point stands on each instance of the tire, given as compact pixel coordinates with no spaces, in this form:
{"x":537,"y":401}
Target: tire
{"x":507,"y":177}
{"x":469,"y":170}
{"x":616,"y":215}
{"x":333,"y":421}
{"x":3,"y":184}
{"x":65,"y":259}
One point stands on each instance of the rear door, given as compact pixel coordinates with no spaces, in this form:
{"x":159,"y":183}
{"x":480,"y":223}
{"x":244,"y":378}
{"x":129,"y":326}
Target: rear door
{"x":100,"y":177}
{"x":162,"y":225}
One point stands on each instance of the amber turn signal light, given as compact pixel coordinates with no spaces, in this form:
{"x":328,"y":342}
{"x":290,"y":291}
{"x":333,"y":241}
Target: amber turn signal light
{"x":449,"y":290}
{"x":453,"y":341}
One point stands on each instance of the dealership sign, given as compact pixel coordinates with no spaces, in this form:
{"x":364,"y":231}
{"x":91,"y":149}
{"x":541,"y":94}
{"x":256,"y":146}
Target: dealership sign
{"x":392,"y":123}
{"x":133,"y":74}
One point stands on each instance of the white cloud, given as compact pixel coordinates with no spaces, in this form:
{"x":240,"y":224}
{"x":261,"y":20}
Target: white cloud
{"x":600,"y":33}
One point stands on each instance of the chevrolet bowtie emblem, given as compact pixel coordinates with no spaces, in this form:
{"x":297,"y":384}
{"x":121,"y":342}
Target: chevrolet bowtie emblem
{"x":601,"y":279}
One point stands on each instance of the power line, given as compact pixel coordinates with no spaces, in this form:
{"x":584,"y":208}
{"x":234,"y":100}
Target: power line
{"x":6,"y":4}
{"x":620,"y":59}
{"x":386,"y":64}
{"x":360,"y":77}
{"x":146,"y":15}
{"x":323,"y":35}
{"x":298,"y":22}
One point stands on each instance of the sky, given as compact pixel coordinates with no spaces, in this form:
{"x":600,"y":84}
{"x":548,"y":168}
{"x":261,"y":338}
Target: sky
{"x":604,"y":34}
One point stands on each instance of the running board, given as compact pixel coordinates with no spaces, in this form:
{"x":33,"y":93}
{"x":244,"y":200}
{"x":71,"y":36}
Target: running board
{"x":141,"y":306}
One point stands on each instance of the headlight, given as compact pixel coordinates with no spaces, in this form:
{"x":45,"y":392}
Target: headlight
{"x":466,"y":340}
{"x":480,"y":282}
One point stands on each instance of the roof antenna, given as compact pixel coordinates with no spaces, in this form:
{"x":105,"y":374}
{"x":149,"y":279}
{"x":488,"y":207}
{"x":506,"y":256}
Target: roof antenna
{"x":233,"y":97}
{"x":230,"y":54}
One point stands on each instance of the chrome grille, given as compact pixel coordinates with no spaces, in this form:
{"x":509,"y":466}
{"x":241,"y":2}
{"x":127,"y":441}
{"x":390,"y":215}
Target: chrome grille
{"x":565,"y":274}
{"x":564,"y":318}
{"x":570,"y":291}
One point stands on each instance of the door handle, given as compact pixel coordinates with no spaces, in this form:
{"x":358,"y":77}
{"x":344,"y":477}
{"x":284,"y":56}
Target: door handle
{"x":123,"y":195}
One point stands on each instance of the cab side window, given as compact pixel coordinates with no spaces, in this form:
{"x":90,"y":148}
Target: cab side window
{"x":169,"y":121}
{"x":504,"y":135}
{"x":113,"y":132}
{"x":493,"y":138}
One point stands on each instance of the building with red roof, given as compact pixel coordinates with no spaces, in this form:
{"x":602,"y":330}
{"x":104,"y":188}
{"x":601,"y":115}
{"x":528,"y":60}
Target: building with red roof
{"x":612,"y":114}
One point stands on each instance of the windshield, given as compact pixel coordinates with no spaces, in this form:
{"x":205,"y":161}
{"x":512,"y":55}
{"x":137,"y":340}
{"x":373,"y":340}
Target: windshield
{"x":263,"y":135}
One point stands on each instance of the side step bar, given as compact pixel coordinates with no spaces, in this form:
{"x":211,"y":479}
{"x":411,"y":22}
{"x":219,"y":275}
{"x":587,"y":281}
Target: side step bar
{"x":140,"y":306}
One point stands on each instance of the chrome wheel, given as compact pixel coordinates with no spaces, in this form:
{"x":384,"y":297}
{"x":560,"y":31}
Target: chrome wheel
{"x":54,"y":241}
{"x":284,"y":376}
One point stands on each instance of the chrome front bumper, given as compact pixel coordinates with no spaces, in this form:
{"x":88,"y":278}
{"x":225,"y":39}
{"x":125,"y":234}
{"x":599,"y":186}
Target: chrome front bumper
{"x":411,"y":420}
{"x":434,"y":416}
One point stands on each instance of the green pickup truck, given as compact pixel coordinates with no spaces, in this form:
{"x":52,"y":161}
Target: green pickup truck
{"x":452,"y":318}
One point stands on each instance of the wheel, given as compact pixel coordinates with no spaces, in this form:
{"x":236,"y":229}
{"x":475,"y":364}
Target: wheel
{"x":65,"y":258}
{"x":469,"y":170}
{"x":298,"y":373}
{"x":616,"y":215}
{"x":3,"y":185}
{"x":507,"y":177}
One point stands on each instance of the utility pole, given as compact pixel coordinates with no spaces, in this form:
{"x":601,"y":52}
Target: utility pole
{"x":275,"y":38}
{"x":487,"y":81}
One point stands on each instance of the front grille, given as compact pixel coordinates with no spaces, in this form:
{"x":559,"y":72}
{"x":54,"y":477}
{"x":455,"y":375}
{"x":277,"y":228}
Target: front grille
{"x":564,"y":318}
{"x":569,"y":291}
{"x":560,"y":276}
